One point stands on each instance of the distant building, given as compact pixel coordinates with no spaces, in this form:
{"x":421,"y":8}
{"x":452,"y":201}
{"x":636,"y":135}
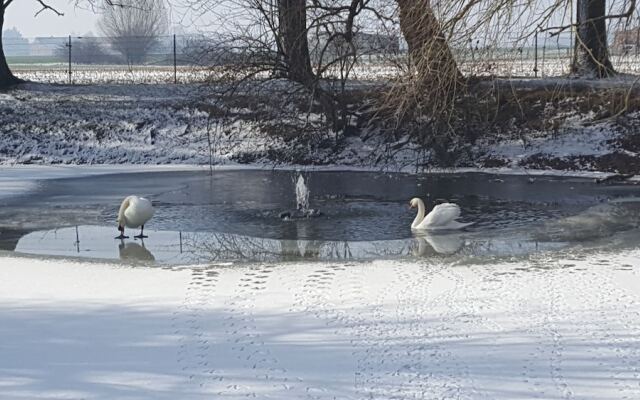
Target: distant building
{"x":625,"y":41}
{"x":14,"y":44}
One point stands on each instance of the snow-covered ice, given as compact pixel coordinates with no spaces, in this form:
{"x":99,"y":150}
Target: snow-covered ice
{"x":17,"y":179}
{"x":548,"y":326}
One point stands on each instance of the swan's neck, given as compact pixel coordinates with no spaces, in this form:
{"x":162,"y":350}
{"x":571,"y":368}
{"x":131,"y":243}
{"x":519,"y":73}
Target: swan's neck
{"x":420,"y":215}
{"x":123,"y":208}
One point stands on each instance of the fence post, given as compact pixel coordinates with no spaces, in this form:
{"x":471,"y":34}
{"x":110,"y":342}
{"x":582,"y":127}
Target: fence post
{"x":535,"y":55}
{"x":175,"y":62}
{"x":69,"y":46}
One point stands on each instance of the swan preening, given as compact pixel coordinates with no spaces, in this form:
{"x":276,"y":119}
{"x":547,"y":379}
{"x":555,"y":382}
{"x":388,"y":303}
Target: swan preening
{"x":442,"y":217}
{"x":134,"y":212}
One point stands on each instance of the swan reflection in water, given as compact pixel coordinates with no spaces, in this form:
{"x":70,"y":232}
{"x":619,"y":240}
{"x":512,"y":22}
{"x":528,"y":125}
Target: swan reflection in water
{"x":133,"y":251}
{"x":428,"y":244}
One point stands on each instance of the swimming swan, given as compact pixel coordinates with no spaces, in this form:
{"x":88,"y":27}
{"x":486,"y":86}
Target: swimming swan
{"x":442,"y":217}
{"x":134,"y":212}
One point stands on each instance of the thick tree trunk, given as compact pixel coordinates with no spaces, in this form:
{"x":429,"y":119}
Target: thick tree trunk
{"x":293,"y":32}
{"x":295,"y":46}
{"x":591,"y":53}
{"x":435,"y":81}
{"x":6,"y":76}
{"x":429,"y":51}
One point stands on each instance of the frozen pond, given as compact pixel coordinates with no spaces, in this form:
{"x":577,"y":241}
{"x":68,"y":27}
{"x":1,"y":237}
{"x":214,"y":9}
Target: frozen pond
{"x":235,"y":216}
{"x":538,"y":299}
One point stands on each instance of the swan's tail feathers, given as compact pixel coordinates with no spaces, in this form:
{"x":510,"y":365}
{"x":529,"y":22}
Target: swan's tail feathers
{"x":462,"y":225}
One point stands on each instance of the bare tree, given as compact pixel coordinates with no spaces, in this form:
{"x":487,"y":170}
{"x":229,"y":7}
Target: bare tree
{"x":133,"y":27}
{"x":6,"y":76}
{"x":293,"y":34}
{"x":271,"y":39}
{"x":428,"y":47}
{"x":591,"y":53}
{"x":434,"y":78}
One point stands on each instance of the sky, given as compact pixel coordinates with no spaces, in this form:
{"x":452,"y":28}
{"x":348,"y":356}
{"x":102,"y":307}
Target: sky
{"x":76,"y":21}
{"x":20,"y":14}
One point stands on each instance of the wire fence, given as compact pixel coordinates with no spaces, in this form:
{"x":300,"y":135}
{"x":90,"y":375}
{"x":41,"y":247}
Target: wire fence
{"x":89,"y":59}
{"x":193,"y":58}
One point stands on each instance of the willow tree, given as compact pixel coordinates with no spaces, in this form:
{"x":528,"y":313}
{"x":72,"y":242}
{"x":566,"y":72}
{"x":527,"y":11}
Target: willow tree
{"x":133,"y":27}
{"x":429,"y":51}
{"x":434,"y":78}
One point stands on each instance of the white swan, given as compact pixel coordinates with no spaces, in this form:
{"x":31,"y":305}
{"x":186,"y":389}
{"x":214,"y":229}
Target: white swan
{"x":134,"y":212}
{"x":442,"y":217}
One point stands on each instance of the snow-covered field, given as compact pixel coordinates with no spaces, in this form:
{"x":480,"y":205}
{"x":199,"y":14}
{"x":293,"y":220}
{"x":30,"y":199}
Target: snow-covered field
{"x":551,"y":327}
{"x":110,"y":74}
{"x":513,"y":64}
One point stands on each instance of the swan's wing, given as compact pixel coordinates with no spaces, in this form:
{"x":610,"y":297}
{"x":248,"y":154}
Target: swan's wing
{"x":147,"y":206}
{"x":441,"y":215}
{"x":123,"y":208}
{"x":139,"y":212}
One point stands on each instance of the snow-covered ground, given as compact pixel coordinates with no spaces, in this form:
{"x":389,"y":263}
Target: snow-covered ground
{"x":158,"y":124}
{"x":166,"y":124}
{"x":109,"y":74}
{"x":576,"y":140}
{"x":110,"y":125}
{"x":549,"y":326}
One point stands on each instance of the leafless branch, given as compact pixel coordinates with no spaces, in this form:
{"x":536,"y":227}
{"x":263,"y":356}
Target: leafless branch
{"x":45,"y":7}
{"x":559,"y":29}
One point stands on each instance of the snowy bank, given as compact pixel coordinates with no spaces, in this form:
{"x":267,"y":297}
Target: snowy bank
{"x":183,"y":124}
